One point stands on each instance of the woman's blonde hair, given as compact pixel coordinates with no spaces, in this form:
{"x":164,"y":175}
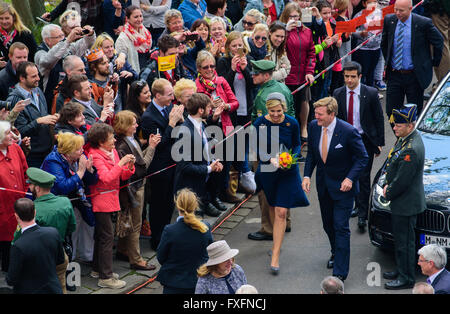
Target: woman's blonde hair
{"x":170,"y":14}
{"x":69,"y":142}
{"x":187,"y":202}
{"x":258,"y":16}
{"x":329,"y":102}
{"x":183,"y":84}
{"x":122,"y":121}
{"x":291,"y":6}
{"x":100,"y":39}
{"x":275,"y":102}
{"x":17,"y":21}
{"x":70,"y":18}
{"x":204,"y":270}
{"x":233,"y":36}
{"x":217,"y":19}
{"x":260,"y":27}
{"x":341,"y":5}
{"x":202,"y":56}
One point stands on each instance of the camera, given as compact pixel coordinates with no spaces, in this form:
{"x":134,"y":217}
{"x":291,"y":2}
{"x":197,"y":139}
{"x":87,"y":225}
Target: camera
{"x":85,"y":31}
{"x":192,"y":37}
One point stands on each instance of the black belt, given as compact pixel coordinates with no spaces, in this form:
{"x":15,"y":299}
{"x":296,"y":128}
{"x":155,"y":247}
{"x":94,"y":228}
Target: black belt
{"x":402,"y":71}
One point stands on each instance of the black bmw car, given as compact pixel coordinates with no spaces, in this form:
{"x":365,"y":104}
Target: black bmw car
{"x":433,"y":225}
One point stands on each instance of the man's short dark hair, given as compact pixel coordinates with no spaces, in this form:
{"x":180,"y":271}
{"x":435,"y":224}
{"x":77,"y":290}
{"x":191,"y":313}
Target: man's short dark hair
{"x":212,"y":6}
{"x":196,"y":102}
{"x":24,"y":208}
{"x":166,"y":42}
{"x":21,"y":70}
{"x":352,"y":66}
{"x":323,"y":4}
{"x":75,"y":83}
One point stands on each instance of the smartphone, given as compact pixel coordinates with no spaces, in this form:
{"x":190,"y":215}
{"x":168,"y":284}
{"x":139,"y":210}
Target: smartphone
{"x":192,"y":37}
{"x":42,"y":20}
{"x":27,"y":101}
{"x":240,"y":52}
{"x":266,"y":11}
{"x":85,"y":31}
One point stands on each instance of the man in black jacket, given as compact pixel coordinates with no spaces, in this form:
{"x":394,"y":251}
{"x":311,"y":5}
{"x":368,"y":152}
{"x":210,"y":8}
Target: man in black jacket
{"x":359,"y":105}
{"x":34,"y":255}
{"x":18,"y":53}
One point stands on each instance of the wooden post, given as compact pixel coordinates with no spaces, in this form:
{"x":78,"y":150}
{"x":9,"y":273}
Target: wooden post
{"x":23,"y":8}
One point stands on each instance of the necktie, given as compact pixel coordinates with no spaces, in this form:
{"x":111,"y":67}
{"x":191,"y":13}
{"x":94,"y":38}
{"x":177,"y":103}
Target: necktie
{"x":398,"y":57}
{"x":324,"y":145}
{"x":350,"y":108}
{"x":428,"y":281}
{"x":165,"y":113}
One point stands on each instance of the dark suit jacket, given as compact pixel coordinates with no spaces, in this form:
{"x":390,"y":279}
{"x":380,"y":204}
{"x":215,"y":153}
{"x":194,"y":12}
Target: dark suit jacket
{"x":347,"y":161}
{"x":33,"y":261}
{"x":371,"y":114}
{"x":192,"y":170}
{"x":181,"y":251}
{"x":423,"y":35}
{"x":152,"y":120}
{"x":8,"y":79}
{"x":441,"y":283}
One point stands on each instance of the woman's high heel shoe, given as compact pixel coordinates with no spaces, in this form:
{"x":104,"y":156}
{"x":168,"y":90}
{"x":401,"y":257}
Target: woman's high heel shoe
{"x":275,"y":270}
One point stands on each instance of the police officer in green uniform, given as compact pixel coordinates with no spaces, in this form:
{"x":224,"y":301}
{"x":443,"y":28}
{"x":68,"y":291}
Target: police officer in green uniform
{"x":51,"y":211}
{"x":262,"y":75}
{"x":404,"y":189}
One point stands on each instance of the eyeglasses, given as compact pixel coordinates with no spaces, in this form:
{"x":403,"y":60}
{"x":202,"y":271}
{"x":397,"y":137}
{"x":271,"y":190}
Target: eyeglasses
{"x":211,"y":66}
{"x":260,"y":38}
{"x":61,"y":36}
{"x":423,"y":260}
{"x":248,"y":23}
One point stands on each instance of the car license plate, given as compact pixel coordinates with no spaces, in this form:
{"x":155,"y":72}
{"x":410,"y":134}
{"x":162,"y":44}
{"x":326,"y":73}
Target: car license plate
{"x":426,"y":239}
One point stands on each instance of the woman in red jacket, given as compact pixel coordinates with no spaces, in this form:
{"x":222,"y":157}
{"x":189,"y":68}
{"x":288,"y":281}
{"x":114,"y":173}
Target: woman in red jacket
{"x":105,"y":199}
{"x":13,"y":166}
{"x":224,"y":100}
{"x":301,"y":54}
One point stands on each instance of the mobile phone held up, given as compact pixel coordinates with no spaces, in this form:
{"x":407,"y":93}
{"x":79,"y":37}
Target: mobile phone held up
{"x":240,"y":52}
{"x":192,"y":37}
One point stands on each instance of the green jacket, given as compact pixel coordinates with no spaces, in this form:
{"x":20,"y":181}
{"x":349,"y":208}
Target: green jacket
{"x":404,"y":176}
{"x":53,"y":211}
{"x":259,"y":104}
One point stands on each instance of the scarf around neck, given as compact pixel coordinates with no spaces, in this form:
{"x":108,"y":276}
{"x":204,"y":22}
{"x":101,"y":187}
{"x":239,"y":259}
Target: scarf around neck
{"x":7,"y":38}
{"x":255,"y":52}
{"x":142,"y":39}
{"x":209,"y":85}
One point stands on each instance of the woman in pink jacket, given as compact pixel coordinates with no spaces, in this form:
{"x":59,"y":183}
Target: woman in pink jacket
{"x":223,"y":99}
{"x":301,"y":54}
{"x":105,"y":199}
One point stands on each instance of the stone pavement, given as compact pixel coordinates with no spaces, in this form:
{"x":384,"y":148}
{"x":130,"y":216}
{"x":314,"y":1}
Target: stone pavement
{"x":135,"y":278}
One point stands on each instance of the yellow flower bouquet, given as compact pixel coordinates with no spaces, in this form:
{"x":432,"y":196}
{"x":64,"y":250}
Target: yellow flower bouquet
{"x":287,"y":159}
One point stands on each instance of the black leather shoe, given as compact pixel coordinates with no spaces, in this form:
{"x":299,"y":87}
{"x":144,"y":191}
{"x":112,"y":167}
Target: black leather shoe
{"x":71,"y":288}
{"x":362,"y":225}
{"x":390,"y":275}
{"x":398,"y":285}
{"x":219,"y":205}
{"x":330,"y":263}
{"x":210,"y":210}
{"x":354,"y":213}
{"x":259,"y":236}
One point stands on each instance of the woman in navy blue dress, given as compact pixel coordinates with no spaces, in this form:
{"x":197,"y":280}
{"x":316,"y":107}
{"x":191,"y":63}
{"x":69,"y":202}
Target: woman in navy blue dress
{"x":282,"y":187}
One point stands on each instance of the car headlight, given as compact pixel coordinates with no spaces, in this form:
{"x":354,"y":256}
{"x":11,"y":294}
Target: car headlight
{"x":378,"y":198}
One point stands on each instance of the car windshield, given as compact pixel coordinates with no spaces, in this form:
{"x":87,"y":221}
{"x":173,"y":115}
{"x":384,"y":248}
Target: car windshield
{"x":437,"y":117}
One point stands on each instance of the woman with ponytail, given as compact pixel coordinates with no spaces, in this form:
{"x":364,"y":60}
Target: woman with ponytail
{"x":182,"y":248}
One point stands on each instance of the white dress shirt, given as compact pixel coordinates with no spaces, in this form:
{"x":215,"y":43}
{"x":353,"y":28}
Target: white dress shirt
{"x":198,"y":127}
{"x":356,"y":107}
{"x":330,"y":131}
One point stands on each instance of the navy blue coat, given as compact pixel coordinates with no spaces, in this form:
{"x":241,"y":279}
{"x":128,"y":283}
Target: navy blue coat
{"x":347,"y":158}
{"x":441,"y":283}
{"x":34,"y":257}
{"x":180,"y":252}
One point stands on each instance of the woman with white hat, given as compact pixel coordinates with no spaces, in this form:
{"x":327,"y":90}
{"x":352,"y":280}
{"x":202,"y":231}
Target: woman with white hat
{"x":220,"y":275}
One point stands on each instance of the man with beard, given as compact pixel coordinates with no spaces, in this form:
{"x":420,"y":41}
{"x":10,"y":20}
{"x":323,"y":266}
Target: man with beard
{"x":196,"y":170}
{"x":51,"y":211}
{"x":99,"y":67}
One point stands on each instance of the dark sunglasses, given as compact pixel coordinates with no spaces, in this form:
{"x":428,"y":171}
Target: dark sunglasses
{"x":260,"y":37}
{"x":211,"y":66}
{"x":248,"y":23}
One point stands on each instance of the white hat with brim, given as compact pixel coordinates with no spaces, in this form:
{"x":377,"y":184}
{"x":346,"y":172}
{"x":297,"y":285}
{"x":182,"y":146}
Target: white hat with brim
{"x":219,"y":252}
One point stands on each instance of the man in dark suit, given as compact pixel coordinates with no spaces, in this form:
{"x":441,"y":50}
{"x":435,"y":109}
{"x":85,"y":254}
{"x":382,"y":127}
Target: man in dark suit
{"x":432,"y":261}
{"x":336,"y":148}
{"x":404,"y":189}
{"x":161,"y":117}
{"x":34,"y":255}
{"x":405,"y":45}
{"x":359,"y":105}
{"x":196,"y":169}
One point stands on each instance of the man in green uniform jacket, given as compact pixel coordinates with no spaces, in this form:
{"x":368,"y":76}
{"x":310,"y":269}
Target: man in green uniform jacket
{"x":51,"y":211}
{"x":262,"y":75}
{"x":404,"y":189}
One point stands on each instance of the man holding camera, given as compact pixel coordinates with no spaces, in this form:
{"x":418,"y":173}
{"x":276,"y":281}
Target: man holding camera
{"x":54,"y":48}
